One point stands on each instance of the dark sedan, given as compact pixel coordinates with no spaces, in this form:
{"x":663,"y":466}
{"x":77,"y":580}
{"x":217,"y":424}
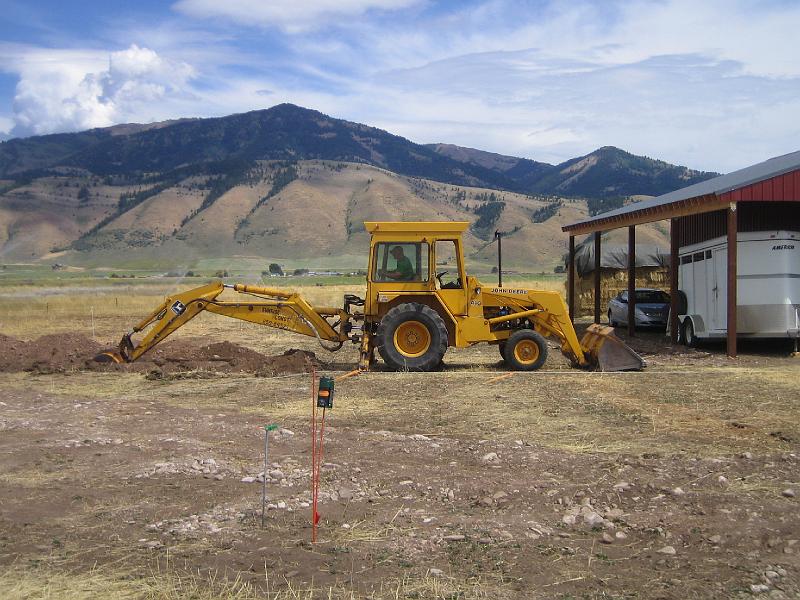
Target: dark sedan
{"x":651,"y":309}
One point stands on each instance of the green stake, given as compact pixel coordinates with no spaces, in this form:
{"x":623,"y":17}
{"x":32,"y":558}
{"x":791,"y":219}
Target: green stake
{"x":267,"y":429}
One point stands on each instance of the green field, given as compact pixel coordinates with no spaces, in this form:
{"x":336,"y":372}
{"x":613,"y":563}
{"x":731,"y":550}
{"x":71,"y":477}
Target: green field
{"x":40,"y":275}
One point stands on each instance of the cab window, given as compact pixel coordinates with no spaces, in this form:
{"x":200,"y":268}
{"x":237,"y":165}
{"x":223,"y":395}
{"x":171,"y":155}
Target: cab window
{"x":400,"y":261}
{"x":448,"y":275}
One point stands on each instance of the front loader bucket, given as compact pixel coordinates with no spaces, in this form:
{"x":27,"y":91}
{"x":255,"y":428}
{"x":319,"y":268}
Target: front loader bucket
{"x":607,"y":352}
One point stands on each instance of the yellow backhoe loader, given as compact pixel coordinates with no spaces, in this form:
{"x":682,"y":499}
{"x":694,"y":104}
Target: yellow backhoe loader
{"x":419,"y":301}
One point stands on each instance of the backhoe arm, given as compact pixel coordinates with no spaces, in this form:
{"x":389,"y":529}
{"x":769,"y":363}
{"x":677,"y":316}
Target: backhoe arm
{"x":281,"y":309}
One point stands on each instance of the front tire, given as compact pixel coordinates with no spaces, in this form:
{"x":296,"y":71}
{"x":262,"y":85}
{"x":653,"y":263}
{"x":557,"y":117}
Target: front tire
{"x":412,"y":337}
{"x":526,"y":350}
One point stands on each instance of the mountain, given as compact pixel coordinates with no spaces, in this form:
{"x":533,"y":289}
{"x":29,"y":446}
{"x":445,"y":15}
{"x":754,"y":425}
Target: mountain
{"x":284,"y":132}
{"x":299,"y":214}
{"x":289,"y":132}
{"x":607,"y":172}
{"x":292,"y":184}
{"x":611,"y":172}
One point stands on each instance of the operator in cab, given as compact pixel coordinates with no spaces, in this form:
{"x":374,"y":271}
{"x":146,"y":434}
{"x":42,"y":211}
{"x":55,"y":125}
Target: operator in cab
{"x":403,"y":270}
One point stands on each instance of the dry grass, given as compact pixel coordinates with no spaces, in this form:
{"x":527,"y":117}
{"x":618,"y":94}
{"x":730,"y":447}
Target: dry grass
{"x":166,"y":583}
{"x":721,"y":411}
{"x":107,"y":312}
{"x":103,"y":583}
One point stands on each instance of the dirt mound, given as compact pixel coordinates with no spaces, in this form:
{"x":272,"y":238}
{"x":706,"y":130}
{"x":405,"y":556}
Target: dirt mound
{"x":188,"y":355}
{"x":49,"y":353}
{"x":291,"y":361}
{"x":58,"y":353}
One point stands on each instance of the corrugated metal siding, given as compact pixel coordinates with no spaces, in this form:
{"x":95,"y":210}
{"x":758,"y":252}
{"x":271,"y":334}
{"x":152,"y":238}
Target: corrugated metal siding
{"x":751,"y":216}
{"x":783,"y":188}
{"x":699,"y":228}
{"x":761,"y":216}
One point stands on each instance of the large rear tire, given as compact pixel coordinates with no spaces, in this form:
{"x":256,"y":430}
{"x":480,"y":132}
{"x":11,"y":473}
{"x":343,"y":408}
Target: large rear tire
{"x":502,"y":348}
{"x":412,"y":337}
{"x":526,"y":350}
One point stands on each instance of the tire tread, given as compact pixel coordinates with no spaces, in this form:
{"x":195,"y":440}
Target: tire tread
{"x":412,"y":311}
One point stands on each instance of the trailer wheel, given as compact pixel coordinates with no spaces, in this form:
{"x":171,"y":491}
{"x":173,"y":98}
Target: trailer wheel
{"x":611,"y":321}
{"x":412,"y":337}
{"x":687,"y":334}
{"x":526,"y":350}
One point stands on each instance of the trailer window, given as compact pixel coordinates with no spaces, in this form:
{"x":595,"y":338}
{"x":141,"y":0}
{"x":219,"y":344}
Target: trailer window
{"x":685,"y":260}
{"x":708,"y":254}
{"x":698,"y":256}
{"x":400,"y":261}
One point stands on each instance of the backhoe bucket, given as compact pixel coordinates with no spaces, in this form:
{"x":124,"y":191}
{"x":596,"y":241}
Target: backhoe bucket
{"x":119,"y":355}
{"x":607,"y":352}
{"x":109,"y":356}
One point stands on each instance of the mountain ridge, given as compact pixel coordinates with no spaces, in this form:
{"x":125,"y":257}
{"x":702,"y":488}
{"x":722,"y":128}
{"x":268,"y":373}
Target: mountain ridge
{"x":293,"y":184}
{"x":290,"y":132}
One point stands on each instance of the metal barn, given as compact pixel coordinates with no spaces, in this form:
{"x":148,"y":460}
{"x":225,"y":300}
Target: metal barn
{"x":761,"y":197}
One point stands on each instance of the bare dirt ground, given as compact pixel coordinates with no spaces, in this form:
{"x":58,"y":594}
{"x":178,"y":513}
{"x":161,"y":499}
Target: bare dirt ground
{"x":676,"y":482}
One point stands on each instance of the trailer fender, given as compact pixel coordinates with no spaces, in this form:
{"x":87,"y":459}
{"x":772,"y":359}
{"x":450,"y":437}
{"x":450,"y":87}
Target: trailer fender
{"x":697,"y":322}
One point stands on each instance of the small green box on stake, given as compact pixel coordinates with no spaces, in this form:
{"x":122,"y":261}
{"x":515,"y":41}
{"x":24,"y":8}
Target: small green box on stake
{"x":325,"y":393}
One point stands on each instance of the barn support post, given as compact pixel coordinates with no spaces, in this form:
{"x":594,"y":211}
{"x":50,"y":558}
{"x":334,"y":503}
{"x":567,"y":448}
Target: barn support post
{"x":571,"y":278}
{"x":732,"y":273}
{"x":631,"y":280}
{"x":597,"y":235}
{"x":674,"y":265}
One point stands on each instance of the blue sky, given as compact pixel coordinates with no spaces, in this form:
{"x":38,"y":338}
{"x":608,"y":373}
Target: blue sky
{"x":712,"y":84}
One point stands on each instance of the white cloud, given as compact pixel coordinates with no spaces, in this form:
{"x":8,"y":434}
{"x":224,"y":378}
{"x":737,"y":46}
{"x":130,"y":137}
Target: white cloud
{"x":67,"y":90}
{"x":290,"y":15}
{"x":6,"y":125}
{"x":712,"y":84}
{"x":688,"y":109}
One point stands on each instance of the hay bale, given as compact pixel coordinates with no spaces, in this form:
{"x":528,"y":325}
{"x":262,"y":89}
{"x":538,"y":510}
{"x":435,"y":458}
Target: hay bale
{"x":612,"y":282}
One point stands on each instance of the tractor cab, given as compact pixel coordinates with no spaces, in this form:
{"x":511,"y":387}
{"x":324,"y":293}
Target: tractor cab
{"x":416,"y":259}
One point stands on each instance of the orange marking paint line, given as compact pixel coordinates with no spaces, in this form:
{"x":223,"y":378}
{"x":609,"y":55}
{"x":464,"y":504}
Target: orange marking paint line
{"x":350,"y":374}
{"x":499,"y":377}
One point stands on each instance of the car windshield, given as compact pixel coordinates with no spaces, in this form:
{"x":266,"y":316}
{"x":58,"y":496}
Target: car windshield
{"x":651,"y":297}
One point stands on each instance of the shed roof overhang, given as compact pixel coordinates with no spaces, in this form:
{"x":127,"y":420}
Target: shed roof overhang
{"x":776,"y":179}
{"x":681,"y":208}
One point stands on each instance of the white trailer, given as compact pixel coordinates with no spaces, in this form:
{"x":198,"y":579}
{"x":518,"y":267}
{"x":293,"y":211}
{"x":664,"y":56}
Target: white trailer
{"x":767,"y":290}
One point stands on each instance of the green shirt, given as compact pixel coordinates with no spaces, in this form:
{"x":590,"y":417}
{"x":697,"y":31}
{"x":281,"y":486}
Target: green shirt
{"x":405,"y":269}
